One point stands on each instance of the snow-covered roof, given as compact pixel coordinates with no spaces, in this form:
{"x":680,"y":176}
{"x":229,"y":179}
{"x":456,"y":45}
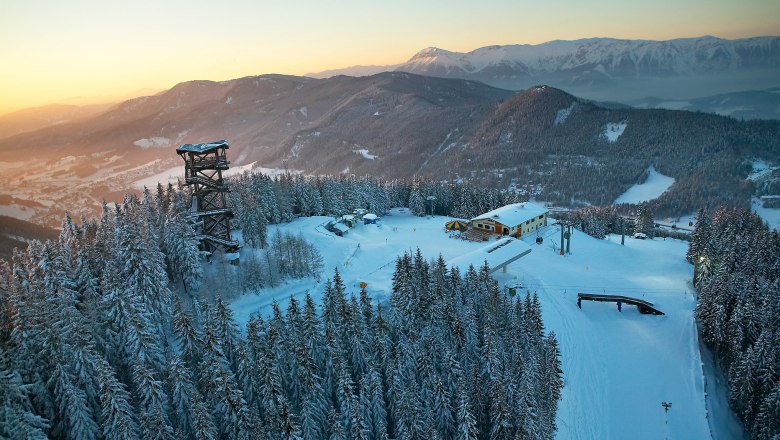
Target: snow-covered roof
{"x":369,"y":216}
{"x":348,"y":217}
{"x":202,"y":148}
{"x":497,"y":254}
{"x":513,"y":214}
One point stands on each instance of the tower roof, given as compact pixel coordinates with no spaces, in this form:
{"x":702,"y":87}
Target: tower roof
{"x":202,"y":148}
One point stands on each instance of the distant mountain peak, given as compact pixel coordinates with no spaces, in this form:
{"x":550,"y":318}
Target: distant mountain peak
{"x":431,"y":51}
{"x":611,"y":69}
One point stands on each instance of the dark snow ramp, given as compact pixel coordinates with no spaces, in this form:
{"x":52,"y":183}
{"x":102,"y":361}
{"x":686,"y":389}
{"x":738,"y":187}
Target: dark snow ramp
{"x":644,"y":307}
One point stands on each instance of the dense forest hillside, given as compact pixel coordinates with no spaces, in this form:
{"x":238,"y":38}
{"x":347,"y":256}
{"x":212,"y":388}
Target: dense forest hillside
{"x":398,"y":125}
{"x":738,"y":279}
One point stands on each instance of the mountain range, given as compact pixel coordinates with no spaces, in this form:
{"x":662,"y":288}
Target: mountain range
{"x":609,"y":69}
{"x":395,"y":125}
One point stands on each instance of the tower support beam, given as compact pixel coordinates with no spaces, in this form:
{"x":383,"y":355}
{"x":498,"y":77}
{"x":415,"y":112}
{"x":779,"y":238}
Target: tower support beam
{"x":203,"y":166}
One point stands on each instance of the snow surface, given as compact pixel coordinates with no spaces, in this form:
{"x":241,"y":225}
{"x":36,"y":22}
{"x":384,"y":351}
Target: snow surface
{"x":153,"y":142}
{"x":613,"y":130}
{"x":682,"y":222}
{"x":769,"y":215}
{"x":761,"y":169}
{"x":682,"y":55}
{"x":618,"y":367}
{"x":17,"y":211}
{"x":563,"y":114}
{"x":674,"y":105}
{"x":172,"y":175}
{"x":496,"y":253}
{"x":364,"y":152}
{"x":655,"y":185}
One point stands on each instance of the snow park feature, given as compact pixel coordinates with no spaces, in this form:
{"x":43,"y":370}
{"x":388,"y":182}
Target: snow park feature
{"x":618,"y":368}
{"x":644,"y":307}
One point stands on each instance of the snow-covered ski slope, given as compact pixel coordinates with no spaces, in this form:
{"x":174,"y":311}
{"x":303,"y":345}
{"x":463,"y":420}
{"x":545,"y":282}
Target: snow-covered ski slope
{"x":652,"y":188}
{"x":618,"y":366}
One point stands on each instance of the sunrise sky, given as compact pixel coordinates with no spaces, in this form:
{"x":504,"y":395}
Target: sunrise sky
{"x":96,"y":50}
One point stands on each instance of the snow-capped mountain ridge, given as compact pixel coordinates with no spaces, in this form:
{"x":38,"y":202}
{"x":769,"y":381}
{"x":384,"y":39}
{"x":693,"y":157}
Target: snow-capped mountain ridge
{"x":615,"y":56}
{"x":607,"y":69}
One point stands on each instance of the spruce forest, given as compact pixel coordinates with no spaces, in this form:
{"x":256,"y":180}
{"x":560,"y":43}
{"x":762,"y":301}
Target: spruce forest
{"x":738,"y":279}
{"x":107,"y":333}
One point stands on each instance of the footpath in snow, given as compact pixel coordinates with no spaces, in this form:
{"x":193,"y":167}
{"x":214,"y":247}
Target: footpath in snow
{"x":618,"y":366}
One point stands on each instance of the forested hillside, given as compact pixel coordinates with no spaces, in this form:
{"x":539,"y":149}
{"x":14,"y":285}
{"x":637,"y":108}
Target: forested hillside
{"x":548,"y":139}
{"x":738,"y":279}
{"x":99,"y":341}
{"x":398,"y":126}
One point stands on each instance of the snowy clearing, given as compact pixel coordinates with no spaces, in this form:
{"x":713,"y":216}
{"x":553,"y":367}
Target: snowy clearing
{"x":172,"y":175}
{"x":17,"y":211}
{"x":153,"y":142}
{"x":769,"y":215}
{"x":563,"y":114}
{"x":618,"y":366}
{"x":761,"y":170}
{"x":364,"y":152}
{"x":683,"y":223}
{"x":613,"y":130}
{"x":655,"y":185}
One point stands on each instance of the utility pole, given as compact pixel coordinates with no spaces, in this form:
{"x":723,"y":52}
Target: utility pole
{"x":622,"y":230}
{"x":666,"y":406}
{"x":568,"y":240}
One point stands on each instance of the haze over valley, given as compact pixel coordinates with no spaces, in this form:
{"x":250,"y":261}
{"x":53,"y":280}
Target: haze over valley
{"x":506,"y":220}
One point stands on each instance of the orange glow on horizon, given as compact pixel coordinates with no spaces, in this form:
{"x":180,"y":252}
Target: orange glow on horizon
{"x":89,"y":51}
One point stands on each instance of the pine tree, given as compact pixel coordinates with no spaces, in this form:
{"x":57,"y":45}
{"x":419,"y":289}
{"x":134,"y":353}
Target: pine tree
{"x":73,"y":406}
{"x":117,"y":413}
{"x":18,"y":419}
{"x":466,"y":423}
{"x":181,"y":250}
{"x":416,"y":202}
{"x":644,"y":222}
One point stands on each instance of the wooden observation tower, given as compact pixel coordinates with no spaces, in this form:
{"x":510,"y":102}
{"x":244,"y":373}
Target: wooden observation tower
{"x":203,"y":166}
